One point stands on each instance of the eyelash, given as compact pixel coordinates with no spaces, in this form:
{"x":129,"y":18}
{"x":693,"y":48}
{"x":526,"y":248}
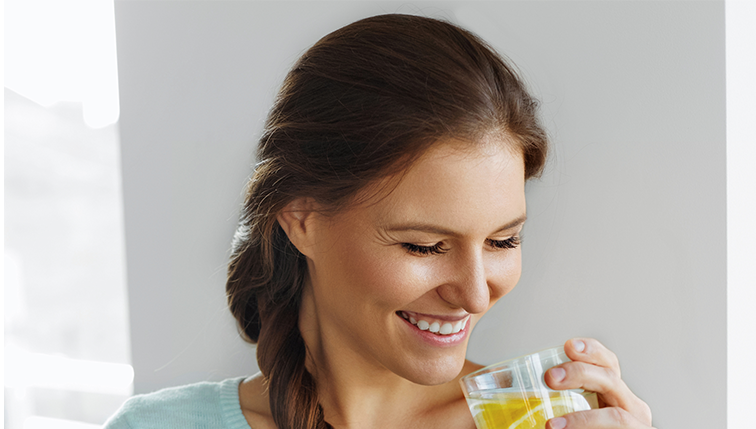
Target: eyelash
{"x":436,"y":249}
{"x":509,"y":243}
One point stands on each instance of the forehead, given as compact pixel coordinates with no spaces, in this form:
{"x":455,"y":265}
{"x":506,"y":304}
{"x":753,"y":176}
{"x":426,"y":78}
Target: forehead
{"x":452,"y":183}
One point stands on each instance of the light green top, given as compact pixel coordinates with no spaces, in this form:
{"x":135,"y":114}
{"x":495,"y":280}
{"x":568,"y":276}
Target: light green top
{"x":200,"y":405}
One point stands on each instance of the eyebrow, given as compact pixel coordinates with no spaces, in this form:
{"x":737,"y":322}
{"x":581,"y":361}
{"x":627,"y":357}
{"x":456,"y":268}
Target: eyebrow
{"x":433,"y":229}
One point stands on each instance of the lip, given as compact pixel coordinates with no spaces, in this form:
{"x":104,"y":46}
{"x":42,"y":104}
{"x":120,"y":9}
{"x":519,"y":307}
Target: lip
{"x":432,"y":339}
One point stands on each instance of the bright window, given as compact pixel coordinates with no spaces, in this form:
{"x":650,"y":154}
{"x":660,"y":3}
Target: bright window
{"x":66,"y":320}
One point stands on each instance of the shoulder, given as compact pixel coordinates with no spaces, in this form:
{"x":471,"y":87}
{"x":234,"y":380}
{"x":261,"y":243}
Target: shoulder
{"x":253,"y":396}
{"x":199,"y":405}
{"x":470,"y":367}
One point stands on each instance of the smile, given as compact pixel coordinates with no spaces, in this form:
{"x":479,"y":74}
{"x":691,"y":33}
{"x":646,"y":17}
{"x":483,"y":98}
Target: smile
{"x":436,"y":326}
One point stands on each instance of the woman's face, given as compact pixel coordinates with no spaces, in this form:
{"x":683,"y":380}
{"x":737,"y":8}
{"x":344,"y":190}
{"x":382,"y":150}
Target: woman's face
{"x":398,"y":283}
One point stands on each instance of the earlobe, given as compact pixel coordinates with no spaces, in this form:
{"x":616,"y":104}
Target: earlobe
{"x":296,"y":221}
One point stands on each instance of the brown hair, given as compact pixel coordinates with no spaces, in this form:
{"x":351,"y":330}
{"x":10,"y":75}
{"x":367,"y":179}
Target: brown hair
{"x":364,"y":102}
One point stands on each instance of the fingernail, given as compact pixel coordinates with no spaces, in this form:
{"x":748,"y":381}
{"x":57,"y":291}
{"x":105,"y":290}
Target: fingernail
{"x":558,"y":374}
{"x":558,"y":423}
{"x":578,"y":345}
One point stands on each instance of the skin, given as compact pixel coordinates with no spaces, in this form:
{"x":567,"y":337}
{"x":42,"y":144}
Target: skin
{"x":372,"y":370}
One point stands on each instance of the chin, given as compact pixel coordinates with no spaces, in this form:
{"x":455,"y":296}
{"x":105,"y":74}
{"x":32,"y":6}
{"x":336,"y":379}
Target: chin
{"x":432,"y":372}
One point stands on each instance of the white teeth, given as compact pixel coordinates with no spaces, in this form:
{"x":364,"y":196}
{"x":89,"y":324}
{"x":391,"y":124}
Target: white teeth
{"x":446,"y":329}
{"x":435,"y":327}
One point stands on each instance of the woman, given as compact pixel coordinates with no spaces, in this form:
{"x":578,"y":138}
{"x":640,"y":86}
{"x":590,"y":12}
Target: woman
{"x":380,"y":224}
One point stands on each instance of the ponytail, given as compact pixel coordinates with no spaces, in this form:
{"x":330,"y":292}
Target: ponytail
{"x":292,"y":390}
{"x":268,"y":313}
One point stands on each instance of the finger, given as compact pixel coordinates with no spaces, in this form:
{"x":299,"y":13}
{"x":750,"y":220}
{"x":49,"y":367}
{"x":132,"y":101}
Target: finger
{"x":612,"y":390}
{"x":591,"y":351}
{"x":605,"y":418}
{"x":594,"y":378}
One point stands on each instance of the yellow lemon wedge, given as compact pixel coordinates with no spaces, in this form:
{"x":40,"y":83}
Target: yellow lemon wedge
{"x":537,"y":417}
{"x":512,"y":411}
{"x":530,"y":419}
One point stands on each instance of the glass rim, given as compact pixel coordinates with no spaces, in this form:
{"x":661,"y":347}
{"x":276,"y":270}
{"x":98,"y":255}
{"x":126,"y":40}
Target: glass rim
{"x":489,"y":368}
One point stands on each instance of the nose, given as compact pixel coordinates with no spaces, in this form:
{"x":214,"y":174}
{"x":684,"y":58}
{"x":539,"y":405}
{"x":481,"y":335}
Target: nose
{"x":466,"y":285}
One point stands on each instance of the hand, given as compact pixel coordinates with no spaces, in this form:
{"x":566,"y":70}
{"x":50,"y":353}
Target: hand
{"x":596,"y":369}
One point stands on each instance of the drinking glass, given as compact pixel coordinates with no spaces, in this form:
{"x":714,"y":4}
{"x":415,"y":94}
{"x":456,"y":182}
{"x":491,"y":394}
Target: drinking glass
{"x":513,"y":394}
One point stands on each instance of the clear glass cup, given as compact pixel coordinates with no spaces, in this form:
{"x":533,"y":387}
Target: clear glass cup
{"x":513,"y":394}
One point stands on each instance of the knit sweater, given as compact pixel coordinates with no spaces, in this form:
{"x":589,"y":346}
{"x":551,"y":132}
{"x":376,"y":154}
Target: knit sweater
{"x":200,"y":405}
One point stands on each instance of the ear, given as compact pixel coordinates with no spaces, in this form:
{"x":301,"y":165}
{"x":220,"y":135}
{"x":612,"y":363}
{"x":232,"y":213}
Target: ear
{"x":296,"y":219}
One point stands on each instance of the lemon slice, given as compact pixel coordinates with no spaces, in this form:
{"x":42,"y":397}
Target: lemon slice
{"x":532,"y":414}
{"x":536,"y":415}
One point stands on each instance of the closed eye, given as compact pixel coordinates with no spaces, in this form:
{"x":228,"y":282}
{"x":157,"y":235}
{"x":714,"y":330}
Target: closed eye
{"x":509,"y":243}
{"x":436,"y":249}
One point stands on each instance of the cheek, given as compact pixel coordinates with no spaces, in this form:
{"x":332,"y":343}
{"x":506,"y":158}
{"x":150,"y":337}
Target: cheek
{"x":504,"y":274}
{"x":373,"y":274}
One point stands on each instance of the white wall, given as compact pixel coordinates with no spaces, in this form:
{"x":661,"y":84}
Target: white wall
{"x":626,"y":236}
{"x":741,"y":210}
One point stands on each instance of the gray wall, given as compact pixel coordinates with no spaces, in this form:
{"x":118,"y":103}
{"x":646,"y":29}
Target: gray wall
{"x":626,"y":236}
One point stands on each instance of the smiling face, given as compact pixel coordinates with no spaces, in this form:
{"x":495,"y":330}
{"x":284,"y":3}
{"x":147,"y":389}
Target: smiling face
{"x":397,"y":283}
